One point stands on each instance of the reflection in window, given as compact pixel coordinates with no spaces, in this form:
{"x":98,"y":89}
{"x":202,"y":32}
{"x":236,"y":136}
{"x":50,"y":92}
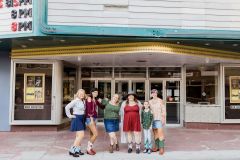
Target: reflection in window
{"x":69,"y":86}
{"x":202,"y":84}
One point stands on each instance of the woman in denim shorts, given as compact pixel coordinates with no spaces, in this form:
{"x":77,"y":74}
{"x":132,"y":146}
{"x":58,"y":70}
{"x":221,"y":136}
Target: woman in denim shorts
{"x":159,"y":117}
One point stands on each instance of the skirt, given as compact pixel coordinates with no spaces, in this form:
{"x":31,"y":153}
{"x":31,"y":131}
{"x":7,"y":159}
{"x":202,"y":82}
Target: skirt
{"x":111,"y":125}
{"x":157,"y":124}
{"x":78,"y":123}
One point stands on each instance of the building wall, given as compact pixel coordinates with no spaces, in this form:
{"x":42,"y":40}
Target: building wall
{"x":5,"y":69}
{"x":179,"y":14}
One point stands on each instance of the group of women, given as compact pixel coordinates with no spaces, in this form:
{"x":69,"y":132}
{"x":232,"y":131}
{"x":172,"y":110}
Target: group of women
{"x":130,"y":115}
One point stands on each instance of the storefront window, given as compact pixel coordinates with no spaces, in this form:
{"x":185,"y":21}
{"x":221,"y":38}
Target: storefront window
{"x":33,"y":92}
{"x":69,"y":86}
{"x":165,"y":72}
{"x":232,"y":92}
{"x":202,"y":84}
{"x":102,"y":72}
{"x":130,"y":72}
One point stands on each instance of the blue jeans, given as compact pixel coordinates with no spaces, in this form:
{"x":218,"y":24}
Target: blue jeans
{"x":147,"y":138}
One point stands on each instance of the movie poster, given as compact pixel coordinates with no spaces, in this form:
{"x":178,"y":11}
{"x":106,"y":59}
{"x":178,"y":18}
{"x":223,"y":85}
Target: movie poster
{"x":234,"y":82}
{"x":34,"y":87}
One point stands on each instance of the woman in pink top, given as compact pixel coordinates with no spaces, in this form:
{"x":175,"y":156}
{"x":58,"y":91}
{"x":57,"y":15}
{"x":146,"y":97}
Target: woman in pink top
{"x":159,"y":120}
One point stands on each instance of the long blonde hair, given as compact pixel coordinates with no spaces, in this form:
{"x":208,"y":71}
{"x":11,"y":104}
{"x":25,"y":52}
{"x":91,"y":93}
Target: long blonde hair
{"x":78,"y":93}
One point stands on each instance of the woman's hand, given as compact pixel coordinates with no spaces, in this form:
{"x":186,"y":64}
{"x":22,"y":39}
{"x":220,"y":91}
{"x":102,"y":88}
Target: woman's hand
{"x":72,"y":116}
{"x":91,"y":121}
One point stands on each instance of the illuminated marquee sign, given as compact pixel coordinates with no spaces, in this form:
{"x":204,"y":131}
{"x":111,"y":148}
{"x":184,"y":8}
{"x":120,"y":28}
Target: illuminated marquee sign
{"x":16,"y":16}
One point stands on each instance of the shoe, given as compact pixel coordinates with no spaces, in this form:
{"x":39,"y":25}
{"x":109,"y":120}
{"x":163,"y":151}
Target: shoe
{"x":149,"y":151}
{"x":145,"y":150}
{"x":129,"y":150}
{"x":111,"y":148}
{"x":137,"y":150}
{"x":117,"y":147}
{"x":90,"y":152}
{"x":93,"y":151}
{"x":155,"y":149}
{"x":80,"y":153}
{"x":74,"y":154}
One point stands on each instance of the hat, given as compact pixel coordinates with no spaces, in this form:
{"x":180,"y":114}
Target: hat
{"x":132,"y":93}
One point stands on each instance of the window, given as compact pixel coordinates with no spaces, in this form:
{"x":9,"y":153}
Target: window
{"x":33,"y":91}
{"x":165,"y":72}
{"x":232,"y":92}
{"x":202,"y":84}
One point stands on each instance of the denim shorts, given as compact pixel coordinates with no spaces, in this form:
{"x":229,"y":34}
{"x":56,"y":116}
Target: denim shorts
{"x":157,"y":124}
{"x":88,"y":121}
{"x":111,"y":125}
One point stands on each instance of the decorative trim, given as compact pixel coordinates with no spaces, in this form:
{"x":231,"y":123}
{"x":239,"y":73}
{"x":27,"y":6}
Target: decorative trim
{"x":123,"y":48}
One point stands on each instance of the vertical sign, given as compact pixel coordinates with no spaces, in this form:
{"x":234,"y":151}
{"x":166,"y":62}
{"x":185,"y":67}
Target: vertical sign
{"x":16,"y":16}
{"x":234,"y":82}
{"x":34,"y":87}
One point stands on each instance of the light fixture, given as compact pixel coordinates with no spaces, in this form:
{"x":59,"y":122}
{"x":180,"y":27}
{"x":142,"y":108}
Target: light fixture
{"x":207,"y":44}
{"x":235,"y":45}
{"x":24,"y":46}
{"x":178,"y":42}
{"x":62,"y":40}
{"x":207,"y":60}
{"x":30,"y":39}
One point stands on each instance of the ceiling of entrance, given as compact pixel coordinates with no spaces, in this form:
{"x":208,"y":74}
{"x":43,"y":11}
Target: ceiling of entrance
{"x":140,"y":59}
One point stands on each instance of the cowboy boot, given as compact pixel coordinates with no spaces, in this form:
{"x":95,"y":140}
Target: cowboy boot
{"x":111,"y":148}
{"x":117,"y":146}
{"x":161,"y":147}
{"x":156,"y":146}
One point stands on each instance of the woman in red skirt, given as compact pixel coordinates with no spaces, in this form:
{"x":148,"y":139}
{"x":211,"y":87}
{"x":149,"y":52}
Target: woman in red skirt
{"x":131,"y":110}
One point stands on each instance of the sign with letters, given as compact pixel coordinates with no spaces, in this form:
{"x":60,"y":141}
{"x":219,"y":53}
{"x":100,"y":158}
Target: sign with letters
{"x":16,"y":16}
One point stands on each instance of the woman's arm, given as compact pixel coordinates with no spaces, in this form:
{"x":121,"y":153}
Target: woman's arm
{"x":68,"y":107}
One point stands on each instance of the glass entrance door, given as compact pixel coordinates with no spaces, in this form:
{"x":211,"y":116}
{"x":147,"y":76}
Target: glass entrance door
{"x":172,"y":100}
{"x":121,"y":88}
{"x":139,"y":88}
{"x":169,"y":91}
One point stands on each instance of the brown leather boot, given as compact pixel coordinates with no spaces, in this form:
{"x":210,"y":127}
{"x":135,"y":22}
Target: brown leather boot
{"x":111,"y":148}
{"x":117,"y":147}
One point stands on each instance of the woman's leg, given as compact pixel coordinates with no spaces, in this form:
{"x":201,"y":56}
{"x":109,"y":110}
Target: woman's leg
{"x":79,"y":137}
{"x":93,"y":136}
{"x":137,"y":136}
{"x":161,"y":140}
{"x":130,"y":141}
{"x":93,"y":132}
{"x":112,"y":141}
{"x":155,"y":137}
{"x":75,"y":149}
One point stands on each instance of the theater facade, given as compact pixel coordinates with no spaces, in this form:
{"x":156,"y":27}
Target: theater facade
{"x":188,"y":50}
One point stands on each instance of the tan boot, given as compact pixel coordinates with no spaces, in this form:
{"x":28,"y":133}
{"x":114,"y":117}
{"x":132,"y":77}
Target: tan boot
{"x":111,"y":148}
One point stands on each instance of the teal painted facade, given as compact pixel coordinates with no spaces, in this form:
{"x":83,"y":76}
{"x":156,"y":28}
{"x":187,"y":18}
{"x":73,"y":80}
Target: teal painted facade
{"x":41,"y":28}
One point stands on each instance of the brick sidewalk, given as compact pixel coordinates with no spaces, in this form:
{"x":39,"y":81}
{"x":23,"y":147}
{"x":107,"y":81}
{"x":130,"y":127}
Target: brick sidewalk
{"x":181,"y":143}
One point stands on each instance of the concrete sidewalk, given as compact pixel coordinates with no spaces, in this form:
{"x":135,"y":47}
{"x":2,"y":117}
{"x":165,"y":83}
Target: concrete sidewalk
{"x":181,"y":144}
